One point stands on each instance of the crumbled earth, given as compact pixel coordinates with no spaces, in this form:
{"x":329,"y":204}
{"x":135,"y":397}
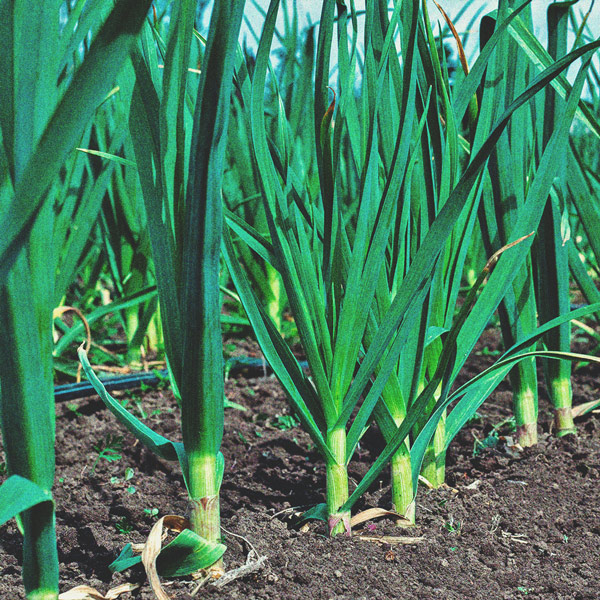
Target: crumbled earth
{"x":510,"y":524}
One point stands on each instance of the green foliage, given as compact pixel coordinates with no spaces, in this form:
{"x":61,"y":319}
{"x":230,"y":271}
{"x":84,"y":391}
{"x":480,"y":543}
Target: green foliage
{"x":371,"y":247}
{"x":355,"y":207}
{"x":49,"y":198}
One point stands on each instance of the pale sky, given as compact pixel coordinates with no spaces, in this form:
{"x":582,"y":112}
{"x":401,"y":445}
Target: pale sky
{"x":310,"y":9}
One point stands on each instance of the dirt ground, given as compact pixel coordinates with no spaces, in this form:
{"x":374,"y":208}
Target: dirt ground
{"x":510,"y":524}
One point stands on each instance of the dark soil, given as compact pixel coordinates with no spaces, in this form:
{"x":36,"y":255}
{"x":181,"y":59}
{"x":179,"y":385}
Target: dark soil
{"x":510,"y":524}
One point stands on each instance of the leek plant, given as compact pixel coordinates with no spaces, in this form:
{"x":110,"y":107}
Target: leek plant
{"x":367,"y":276}
{"x":49,"y":200}
{"x":583,"y":185}
{"x":291,"y":91}
{"x":178,"y":123}
{"x":417,"y":363}
{"x":541,"y":287}
{"x":506,"y":188}
{"x":552,"y":254}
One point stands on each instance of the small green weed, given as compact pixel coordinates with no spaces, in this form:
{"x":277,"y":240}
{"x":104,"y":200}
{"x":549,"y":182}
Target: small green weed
{"x":487,"y":352}
{"x":453,"y":526}
{"x":123,"y":526}
{"x":285,"y":422}
{"x":524,"y":590}
{"x":109,"y":450}
{"x":74,"y":408}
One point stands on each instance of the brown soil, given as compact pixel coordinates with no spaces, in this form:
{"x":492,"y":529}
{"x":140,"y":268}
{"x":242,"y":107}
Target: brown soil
{"x":509,"y":525}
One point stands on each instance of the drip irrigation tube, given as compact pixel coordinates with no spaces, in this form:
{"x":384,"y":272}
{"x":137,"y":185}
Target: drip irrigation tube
{"x":234,"y":366}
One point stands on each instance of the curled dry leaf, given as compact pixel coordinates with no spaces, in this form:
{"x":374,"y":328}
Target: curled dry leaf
{"x":85,"y":592}
{"x":376,"y":513}
{"x":57,"y":312}
{"x":461,"y":51}
{"x":152,"y":549}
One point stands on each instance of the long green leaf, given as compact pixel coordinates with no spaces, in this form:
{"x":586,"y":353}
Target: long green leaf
{"x":86,"y":91}
{"x":155,"y":442}
{"x":18,"y":494}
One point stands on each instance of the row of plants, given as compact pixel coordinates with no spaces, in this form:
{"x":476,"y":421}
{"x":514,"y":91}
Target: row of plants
{"x":354,"y":200}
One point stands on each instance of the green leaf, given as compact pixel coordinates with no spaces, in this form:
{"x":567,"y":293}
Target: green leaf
{"x":87,"y":90}
{"x":318,"y":512}
{"x":18,"y":494}
{"x":125,"y":560}
{"x":186,"y":554}
{"x":113,"y":157}
{"x":155,"y":442}
{"x":134,"y":299}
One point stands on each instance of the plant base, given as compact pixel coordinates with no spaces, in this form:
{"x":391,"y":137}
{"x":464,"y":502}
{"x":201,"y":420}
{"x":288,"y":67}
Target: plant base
{"x":206,"y":522}
{"x":527,"y":435}
{"x":42,"y":595}
{"x":402,"y":491}
{"x":339,"y":523}
{"x":563,"y":421}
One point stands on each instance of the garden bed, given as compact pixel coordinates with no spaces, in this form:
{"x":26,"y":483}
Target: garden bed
{"x":510,"y":524}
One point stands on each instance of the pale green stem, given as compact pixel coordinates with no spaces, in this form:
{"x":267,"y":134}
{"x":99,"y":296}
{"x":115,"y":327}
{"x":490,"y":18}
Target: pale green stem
{"x":337,"y":483}
{"x":402,"y":490}
{"x":434,"y":461}
{"x":43,"y":595}
{"x":525,"y":402}
{"x":204,"y":498}
{"x":154,"y":334}
{"x":274,"y":304}
{"x":131,"y":325}
{"x":562,"y":396}
{"x":151,"y":337}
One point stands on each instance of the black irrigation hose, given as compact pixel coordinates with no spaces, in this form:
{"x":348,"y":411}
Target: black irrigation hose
{"x":234,"y":366}
{"x":84,"y":389}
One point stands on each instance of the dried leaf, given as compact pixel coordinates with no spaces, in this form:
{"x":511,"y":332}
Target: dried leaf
{"x":242,"y":571}
{"x":376,"y":513}
{"x":391,"y":539}
{"x":473,"y":485}
{"x":85,"y":592}
{"x":426,"y":482}
{"x":57,"y":312}
{"x":461,"y":51}
{"x":152,"y":549}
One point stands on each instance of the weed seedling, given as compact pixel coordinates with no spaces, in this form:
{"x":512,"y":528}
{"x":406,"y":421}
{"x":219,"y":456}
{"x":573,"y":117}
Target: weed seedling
{"x":453,"y":526}
{"x":123,"y":526}
{"x":74,"y":409}
{"x":524,"y":590}
{"x":109,"y":449}
{"x":285,"y":422}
